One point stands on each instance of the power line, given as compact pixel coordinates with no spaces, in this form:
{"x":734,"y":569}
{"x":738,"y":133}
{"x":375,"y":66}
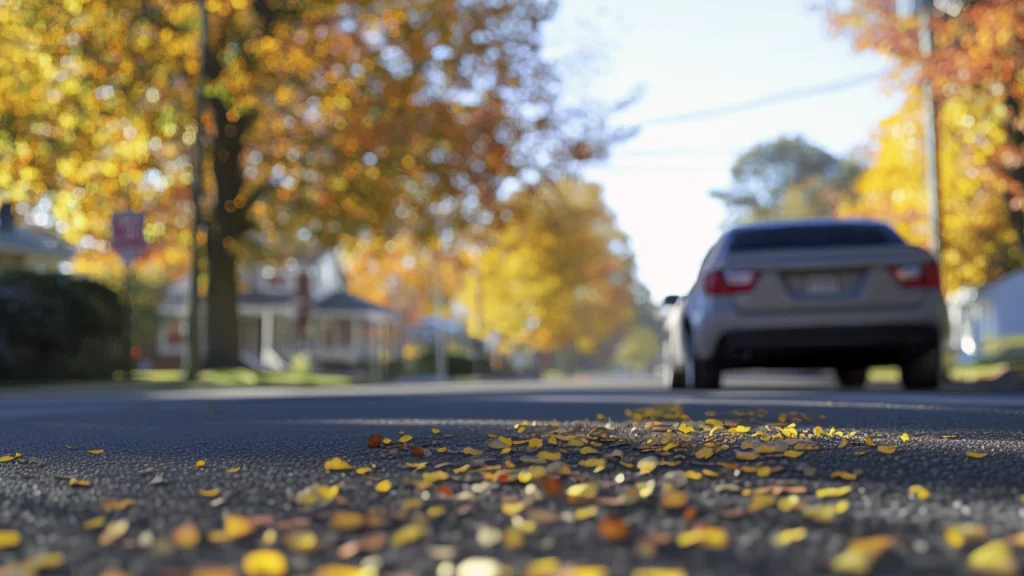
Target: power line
{"x":777,"y":98}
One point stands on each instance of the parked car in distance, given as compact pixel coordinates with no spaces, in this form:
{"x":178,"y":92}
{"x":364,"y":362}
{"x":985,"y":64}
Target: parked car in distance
{"x":815,"y":293}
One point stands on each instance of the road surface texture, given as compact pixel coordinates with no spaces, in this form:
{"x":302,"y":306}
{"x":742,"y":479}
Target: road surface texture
{"x":585,"y":476}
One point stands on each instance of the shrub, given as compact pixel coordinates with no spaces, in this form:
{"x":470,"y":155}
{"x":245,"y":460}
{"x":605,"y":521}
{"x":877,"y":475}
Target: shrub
{"x":55,"y":327}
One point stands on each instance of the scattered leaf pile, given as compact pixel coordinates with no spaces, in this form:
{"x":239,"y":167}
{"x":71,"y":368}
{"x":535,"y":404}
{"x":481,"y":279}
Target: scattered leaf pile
{"x":659,"y":480}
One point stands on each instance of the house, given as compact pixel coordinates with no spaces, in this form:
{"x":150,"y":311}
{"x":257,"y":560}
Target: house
{"x":300,"y":306}
{"x":987,"y":323}
{"x":28,"y":248}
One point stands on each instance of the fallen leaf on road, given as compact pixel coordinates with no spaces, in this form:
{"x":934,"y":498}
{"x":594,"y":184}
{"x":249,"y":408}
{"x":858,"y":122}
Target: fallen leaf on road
{"x":861,"y":554}
{"x":44,"y":562}
{"x":200,"y":463}
{"x":708,"y":537}
{"x":481,"y":566}
{"x":111,"y":505}
{"x":582,"y":491}
{"x":9,"y":538}
{"x":336,"y":464}
{"x":613,"y":528}
{"x":993,"y":558}
{"x":405,"y":438}
{"x":789,"y":536}
{"x":113,"y":532}
{"x":335,"y":569}
{"x":704,"y":453}
{"x":346,"y":520}
{"x":301,"y":541}
{"x":265,"y":562}
{"x":186,"y":536}
{"x":95,"y":451}
{"x":234,"y":470}
{"x":658,"y":571}
{"x":840,"y":475}
{"x":919,"y":492}
{"x":94,"y":523}
{"x":961,"y":534}
{"x":886,"y":449}
{"x":833,"y":492}
{"x":209,"y":492}
{"x":79,"y":483}
{"x":383,"y":487}
{"x":976,"y":454}
{"x":7,"y":458}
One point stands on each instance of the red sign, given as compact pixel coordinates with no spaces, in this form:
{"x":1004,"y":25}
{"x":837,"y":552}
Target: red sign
{"x":129,"y":240}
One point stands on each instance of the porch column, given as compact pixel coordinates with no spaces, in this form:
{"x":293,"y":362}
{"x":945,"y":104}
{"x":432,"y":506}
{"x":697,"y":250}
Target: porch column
{"x":266,"y":337}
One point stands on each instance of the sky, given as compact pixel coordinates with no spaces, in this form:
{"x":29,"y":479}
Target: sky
{"x":693,"y":55}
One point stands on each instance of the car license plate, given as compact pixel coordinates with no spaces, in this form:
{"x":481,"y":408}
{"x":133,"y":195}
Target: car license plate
{"x":823,"y":284}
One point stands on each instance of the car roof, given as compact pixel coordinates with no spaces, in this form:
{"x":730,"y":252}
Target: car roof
{"x":777,"y":224}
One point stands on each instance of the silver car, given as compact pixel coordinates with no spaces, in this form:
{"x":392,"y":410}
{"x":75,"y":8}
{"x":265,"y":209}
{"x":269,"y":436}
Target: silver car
{"x":843,"y":294}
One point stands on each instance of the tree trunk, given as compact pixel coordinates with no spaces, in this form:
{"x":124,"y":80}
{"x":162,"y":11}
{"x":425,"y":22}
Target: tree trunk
{"x":222,"y":313}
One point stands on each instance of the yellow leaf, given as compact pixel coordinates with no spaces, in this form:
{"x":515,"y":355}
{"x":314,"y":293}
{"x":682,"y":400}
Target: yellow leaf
{"x":95,"y":451}
{"x":513,"y":508}
{"x":301,"y":541}
{"x":6,"y":458}
{"x":584,"y":490}
{"x":364,"y":470}
{"x":586,"y":513}
{"x":549,"y":456}
{"x":704,"y":453}
{"x":789,"y":536}
{"x":792,"y":453}
{"x":336,"y":464}
{"x":869,"y":441}
{"x":886,"y":449}
{"x":993,"y":558}
{"x":109,"y":505}
{"x":336,"y":569}
{"x":861,"y":554}
{"x":265,"y":562}
{"x":44,"y":562}
{"x":534,"y":443}
{"x":113,"y":532}
{"x":81,"y":483}
{"x":708,"y":537}
{"x":94,"y":523}
{"x":9,"y":538}
{"x":209,"y":492}
{"x":471,"y":451}
{"x":840,"y":475}
{"x":833,"y":492}
{"x":383,"y":487}
{"x":587,"y":450}
{"x":963,"y":533}
{"x":200,"y":463}
{"x":347,"y":520}
{"x":919,"y":492}
{"x":747,"y":456}
{"x":647,"y":465}
{"x":976,"y":454}
{"x":405,"y":438}
{"x":234,"y":470}
{"x":905,"y":437}
{"x":788,"y":503}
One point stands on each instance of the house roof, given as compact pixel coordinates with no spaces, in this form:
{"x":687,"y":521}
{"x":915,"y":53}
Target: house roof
{"x":345,"y":301}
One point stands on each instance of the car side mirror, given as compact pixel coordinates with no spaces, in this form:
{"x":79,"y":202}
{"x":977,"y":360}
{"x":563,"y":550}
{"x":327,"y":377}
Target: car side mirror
{"x":670,"y":300}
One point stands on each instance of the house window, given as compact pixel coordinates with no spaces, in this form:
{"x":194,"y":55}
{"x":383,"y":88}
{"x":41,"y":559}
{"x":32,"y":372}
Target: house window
{"x":326,"y":334}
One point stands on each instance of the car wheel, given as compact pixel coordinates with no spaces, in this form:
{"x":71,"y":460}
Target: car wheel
{"x":702,"y":374}
{"x":671,"y":377}
{"x":852,"y":377}
{"x":923,"y":371}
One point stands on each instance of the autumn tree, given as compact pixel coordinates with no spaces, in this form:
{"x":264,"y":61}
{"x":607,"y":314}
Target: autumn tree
{"x":978,"y":243}
{"x":977,"y":56}
{"x":320,"y":120}
{"x":787,"y":178}
{"x":557,"y":275}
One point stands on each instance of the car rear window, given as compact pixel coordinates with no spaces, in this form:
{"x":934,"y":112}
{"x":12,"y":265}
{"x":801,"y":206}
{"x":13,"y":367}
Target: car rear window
{"x":816,"y":236}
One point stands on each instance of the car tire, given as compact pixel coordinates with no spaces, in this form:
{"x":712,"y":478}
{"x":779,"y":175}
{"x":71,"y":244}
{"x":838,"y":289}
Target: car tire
{"x":923,"y":371}
{"x":706,"y":374}
{"x":852,"y":377}
{"x":678,"y":380}
{"x":672,"y":377}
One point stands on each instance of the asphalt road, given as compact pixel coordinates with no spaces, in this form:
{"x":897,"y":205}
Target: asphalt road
{"x":590,"y":476}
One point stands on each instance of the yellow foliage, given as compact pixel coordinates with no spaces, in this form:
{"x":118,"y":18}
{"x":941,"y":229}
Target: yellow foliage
{"x":553,"y":276}
{"x":979,"y":243}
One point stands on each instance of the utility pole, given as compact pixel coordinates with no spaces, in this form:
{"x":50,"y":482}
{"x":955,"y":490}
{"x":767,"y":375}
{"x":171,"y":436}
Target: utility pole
{"x":931,"y":169}
{"x":191,"y":369}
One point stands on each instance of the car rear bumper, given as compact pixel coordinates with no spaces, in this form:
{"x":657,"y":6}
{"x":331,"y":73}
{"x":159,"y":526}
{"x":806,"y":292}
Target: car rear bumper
{"x":817,"y":347}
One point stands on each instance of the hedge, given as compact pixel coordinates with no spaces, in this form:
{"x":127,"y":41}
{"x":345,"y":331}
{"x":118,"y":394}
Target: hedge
{"x":55,"y":327}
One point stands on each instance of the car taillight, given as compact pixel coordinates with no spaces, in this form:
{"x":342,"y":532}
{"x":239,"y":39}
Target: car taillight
{"x":729,"y":281}
{"x":917,"y":275}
